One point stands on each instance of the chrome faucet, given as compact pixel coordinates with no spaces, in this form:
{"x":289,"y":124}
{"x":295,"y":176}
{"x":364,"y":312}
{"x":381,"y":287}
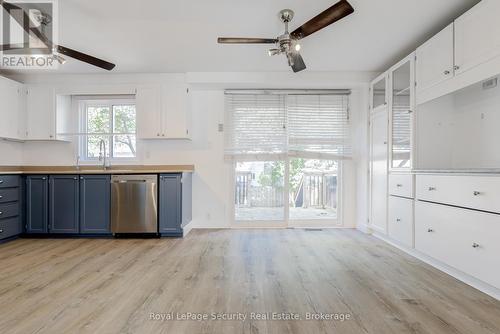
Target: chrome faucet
{"x":102,"y":153}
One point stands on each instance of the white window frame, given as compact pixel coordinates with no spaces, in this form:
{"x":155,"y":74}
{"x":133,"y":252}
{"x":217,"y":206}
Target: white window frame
{"x":85,"y":101}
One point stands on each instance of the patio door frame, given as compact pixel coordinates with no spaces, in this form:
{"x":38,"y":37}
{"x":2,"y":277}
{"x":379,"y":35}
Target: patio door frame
{"x":286,"y":222}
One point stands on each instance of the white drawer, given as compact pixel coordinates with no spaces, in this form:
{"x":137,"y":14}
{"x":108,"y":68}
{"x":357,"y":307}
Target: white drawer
{"x":401,"y":220}
{"x":401,"y":185}
{"x":464,"y":239}
{"x":475,"y":192}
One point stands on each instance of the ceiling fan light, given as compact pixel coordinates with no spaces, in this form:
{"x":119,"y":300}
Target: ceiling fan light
{"x":297,"y":47}
{"x":274,"y":52}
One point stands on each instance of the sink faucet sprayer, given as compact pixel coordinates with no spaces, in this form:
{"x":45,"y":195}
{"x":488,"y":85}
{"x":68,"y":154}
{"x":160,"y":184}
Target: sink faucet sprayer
{"x":102,"y":153}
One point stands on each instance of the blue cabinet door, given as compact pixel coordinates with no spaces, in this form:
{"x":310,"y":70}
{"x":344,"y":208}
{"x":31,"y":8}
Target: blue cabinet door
{"x":64,"y":204}
{"x":37,"y":204}
{"x":95,"y":202}
{"x":170,"y":206}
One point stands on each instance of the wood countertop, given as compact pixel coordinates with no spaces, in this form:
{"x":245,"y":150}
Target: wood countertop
{"x":117,"y":169}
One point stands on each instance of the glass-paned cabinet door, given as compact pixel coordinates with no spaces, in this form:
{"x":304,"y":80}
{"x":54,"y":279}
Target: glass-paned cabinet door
{"x":403,"y":87}
{"x":379,"y":92}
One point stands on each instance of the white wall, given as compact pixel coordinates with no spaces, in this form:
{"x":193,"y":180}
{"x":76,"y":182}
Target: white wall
{"x":211,"y":183}
{"x":461,"y":130}
{"x":11,"y":153}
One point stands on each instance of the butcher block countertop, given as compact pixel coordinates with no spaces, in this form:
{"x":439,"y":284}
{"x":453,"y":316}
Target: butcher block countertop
{"x":132,"y":169}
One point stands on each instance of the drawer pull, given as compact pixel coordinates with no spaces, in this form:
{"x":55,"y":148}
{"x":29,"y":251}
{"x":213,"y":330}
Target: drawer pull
{"x":432,"y":188}
{"x":1,"y":196}
{"x":430,"y":230}
{"x":477,"y":193}
{"x":1,"y":213}
{"x":475,"y":245}
{"x":399,"y":185}
{"x":1,"y":231}
{"x":1,"y":181}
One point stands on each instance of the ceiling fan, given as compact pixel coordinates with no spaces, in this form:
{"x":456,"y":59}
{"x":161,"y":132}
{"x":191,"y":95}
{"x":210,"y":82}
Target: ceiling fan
{"x":288,"y":43}
{"x":42,"y":19}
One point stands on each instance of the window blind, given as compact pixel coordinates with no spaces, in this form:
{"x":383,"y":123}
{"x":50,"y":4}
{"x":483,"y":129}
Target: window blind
{"x":309,"y":125}
{"x":255,"y":124}
{"x":318,"y":125}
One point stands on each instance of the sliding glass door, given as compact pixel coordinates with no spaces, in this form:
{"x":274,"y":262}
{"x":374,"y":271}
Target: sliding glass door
{"x":291,"y":192}
{"x":286,"y":148}
{"x":259,"y":193}
{"x":313,"y":191}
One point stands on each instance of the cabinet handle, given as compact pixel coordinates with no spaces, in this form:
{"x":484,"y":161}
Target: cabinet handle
{"x":399,"y":185}
{"x":1,"y":196}
{"x":475,"y":245}
{"x":477,"y":193}
{"x":1,"y":213}
{"x":1,"y":181}
{"x":447,"y":72}
{"x":430,"y":230}
{"x":432,"y":188}
{"x":1,"y":231}
{"x":456,"y":67}
{"x":75,"y":178}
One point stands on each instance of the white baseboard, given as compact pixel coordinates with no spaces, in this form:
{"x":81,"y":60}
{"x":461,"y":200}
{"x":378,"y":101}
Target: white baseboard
{"x":365,"y":228}
{"x":461,"y":276}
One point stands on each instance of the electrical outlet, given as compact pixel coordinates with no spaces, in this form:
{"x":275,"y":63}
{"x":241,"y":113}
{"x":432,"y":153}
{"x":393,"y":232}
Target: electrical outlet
{"x":492,"y":83}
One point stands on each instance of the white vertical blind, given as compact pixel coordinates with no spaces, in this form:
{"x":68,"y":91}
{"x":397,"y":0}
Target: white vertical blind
{"x":319,"y":125}
{"x":309,"y":125}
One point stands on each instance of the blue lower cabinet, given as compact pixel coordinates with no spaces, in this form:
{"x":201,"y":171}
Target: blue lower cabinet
{"x":10,"y":206}
{"x":95,"y":202}
{"x":37,"y":204}
{"x":64,"y":204}
{"x":174,"y":203}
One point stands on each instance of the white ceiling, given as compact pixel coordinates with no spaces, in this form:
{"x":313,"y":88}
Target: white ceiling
{"x":180,"y":35}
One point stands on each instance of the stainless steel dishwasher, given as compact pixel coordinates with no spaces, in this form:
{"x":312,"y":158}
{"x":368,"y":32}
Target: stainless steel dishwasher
{"x":134,"y":204}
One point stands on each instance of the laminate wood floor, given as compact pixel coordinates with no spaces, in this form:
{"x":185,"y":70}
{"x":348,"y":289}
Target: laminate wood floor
{"x":118,"y":286}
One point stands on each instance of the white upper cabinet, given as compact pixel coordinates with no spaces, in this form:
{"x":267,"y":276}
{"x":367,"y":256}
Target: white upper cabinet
{"x":40,"y":113}
{"x":477,"y":35}
{"x":163,"y":112}
{"x":148,"y":112}
{"x":11,"y":109}
{"x":435,"y":60}
{"x":378,"y":92}
{"x":176,"y":111}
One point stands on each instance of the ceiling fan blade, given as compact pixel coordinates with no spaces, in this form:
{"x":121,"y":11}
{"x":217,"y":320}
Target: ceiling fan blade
{"x":243,"y":40}
{"x":298,"y":62}
{"x":333,"y":14}
{"x":85,"y":58}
